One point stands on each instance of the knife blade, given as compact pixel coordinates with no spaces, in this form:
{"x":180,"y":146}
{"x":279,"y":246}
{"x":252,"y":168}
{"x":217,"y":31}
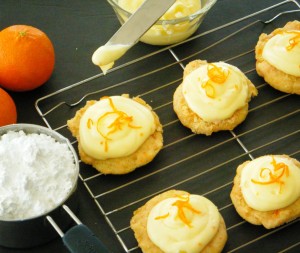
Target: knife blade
{"x":130,"y":32}
{"x":140,"y":21}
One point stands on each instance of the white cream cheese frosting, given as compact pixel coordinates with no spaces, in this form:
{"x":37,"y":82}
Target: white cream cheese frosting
{"x":183,"y":224}
{"x":215,"y":91}
{"x":283,"y":52}
{"x":105,"y":56}
{"x":115,"y":127}
{"x":270,"y":183}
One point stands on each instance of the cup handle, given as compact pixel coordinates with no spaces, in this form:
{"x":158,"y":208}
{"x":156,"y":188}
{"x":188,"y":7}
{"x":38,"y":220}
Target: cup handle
{"x":80,"y":239}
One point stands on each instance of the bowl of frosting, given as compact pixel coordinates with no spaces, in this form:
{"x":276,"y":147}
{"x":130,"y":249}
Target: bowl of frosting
{"x":179,"y":22}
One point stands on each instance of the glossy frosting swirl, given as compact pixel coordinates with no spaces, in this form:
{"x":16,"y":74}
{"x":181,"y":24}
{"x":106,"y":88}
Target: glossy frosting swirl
{"x":270,"y":183}
{"x":114,"y":127}
{"x":183,"y":224}
{"x":215,"y":91}
{"x":283,"y":52}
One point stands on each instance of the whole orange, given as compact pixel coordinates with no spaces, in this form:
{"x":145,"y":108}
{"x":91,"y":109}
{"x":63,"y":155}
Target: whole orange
{"x":8,"y":111}
{"x":26,"y":58}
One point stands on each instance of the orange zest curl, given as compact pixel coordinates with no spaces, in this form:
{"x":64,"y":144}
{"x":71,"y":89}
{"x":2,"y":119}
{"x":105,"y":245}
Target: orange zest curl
{"x":162,"y":216}
{"x":275,"y":176}
{"x":89,"y":123}
{"x":209,"y":89}
{"x":120,"y":120}
{"x":216,"y":75}
{"x":181,"y":205}
{"x":184,"y":204}
{"x":294,"y":41}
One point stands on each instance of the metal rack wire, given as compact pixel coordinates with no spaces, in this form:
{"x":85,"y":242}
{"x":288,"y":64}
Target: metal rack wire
{"x":198,"y":164}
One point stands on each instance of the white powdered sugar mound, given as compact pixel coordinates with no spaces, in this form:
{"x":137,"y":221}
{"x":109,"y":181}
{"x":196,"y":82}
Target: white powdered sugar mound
{"x":36,"y":174}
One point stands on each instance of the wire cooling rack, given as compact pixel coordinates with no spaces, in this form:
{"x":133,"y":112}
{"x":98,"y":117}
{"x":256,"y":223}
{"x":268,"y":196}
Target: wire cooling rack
{"x":195,"y":163}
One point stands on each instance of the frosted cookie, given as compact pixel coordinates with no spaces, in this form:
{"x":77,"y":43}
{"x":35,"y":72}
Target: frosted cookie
{"x":117,"y":134}
{"x":266,"y":191}
{"x":278,"y":58}
{"x":176,"y":221}
{"x":212,"y":97}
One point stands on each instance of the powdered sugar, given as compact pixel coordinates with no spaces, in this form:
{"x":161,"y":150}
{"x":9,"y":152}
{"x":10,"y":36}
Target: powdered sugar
{"x":36,"y":174}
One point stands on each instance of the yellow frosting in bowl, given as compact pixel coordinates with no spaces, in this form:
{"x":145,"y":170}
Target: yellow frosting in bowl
{"x":166,"y":33}
{"x":181,"y":8}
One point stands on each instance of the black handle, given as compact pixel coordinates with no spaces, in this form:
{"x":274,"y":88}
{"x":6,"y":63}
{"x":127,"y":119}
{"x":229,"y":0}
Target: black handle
{"x":80,"y":239}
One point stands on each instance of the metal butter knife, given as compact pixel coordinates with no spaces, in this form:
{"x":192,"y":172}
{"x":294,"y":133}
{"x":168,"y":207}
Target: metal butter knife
{"x":140,"y":21}
{"x":130,"y":32}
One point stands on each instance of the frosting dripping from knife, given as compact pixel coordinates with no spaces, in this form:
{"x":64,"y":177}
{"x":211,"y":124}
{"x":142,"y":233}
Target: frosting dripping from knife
{"x":105,"y":56}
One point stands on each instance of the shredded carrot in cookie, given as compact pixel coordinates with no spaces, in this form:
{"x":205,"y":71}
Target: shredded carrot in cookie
{"x":275,"y":176}
{"x":276,"y":213}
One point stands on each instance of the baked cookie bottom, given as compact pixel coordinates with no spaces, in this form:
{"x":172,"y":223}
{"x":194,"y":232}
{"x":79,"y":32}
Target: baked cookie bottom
{"x":138,"y":224}
{"x":274,"y":77}
{"x":269,"y":219}
{"x":194,"y":122}
{"x":123,"y":165}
